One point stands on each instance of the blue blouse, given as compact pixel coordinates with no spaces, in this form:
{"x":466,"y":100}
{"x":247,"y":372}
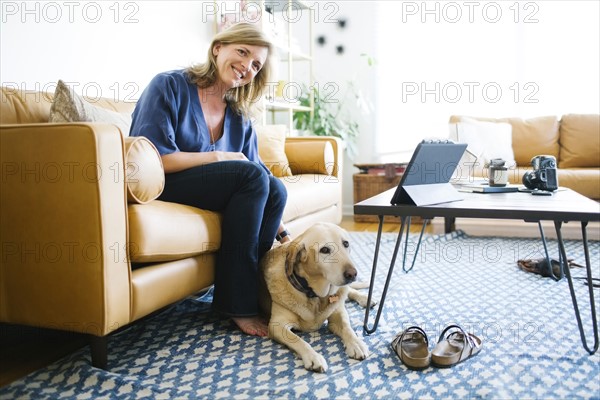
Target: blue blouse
{"x":169,"y":114}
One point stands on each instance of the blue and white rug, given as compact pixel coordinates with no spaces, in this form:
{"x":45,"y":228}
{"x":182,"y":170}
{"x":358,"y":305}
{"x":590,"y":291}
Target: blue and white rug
{"x":531,"y":349}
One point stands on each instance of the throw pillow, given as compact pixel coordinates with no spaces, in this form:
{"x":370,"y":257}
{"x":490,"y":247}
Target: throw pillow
{"x":470,"y":164}
{"x":487,"y":140}
{"x":271,"y":149}
{"x":580,"y":140}
{"x":530,"y":137}
{"x":302,"y":155}
{"x":68,"y":106}
{"x":144,"y":170}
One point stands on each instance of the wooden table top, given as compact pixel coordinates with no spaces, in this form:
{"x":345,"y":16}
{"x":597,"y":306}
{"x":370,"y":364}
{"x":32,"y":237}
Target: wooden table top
{"x":564,"y":205}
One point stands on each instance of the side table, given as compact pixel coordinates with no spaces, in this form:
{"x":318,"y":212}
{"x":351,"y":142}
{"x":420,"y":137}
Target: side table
{"x":563,"y":206}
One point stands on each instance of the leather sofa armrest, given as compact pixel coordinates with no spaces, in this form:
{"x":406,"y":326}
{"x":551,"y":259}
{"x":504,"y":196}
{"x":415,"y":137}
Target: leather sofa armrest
{"x":64,"y":227}
{"x":315,"y":154}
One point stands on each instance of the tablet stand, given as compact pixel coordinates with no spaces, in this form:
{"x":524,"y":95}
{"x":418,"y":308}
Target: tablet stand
{"x":426,"y":194}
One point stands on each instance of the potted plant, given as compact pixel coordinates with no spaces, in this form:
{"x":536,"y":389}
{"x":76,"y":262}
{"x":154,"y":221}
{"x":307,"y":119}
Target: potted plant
{"x":326,"y":117}
{"x":329,"y":116}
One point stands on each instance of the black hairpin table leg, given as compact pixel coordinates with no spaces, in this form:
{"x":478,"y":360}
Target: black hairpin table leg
{"x":366,"y":328}
{"x":567,"y":272}
{"x":407,"y":270}
{"x":550,"y":272}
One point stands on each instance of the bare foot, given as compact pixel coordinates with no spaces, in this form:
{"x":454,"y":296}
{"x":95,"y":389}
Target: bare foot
{"x":255,"y":326}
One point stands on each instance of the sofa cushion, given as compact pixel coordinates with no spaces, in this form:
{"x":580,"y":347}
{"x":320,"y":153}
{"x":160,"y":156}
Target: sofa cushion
{"x":311,"y":157}
{"x":309,"y":193}
{"x":24,"y":106}
{"x":582,"y":180}
{"x":19,"y":106}
{"x":144,"y":170}
{"x":163,"y":231}
{"x":155,"y":286}
{"x":530,"y":137}
{"x":579,"y":141}
{"x":271,"y":148}
{"x":68,"y":106}
{"x":534,"y":136}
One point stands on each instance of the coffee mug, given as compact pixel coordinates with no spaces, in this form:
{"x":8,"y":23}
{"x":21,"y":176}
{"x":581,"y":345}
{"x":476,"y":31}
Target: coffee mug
{"x":498,"y":177}
{"x":498,"y":173}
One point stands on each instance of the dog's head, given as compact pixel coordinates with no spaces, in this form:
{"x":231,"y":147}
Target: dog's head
{"x":321,"y":256}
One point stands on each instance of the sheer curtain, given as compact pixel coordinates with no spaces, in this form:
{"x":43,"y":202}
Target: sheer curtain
{"x":496,"y":59}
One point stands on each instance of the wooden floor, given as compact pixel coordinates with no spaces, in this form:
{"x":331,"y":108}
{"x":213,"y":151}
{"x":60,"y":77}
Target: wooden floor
{"x":390,"y":226}
{"x":25,"y":349}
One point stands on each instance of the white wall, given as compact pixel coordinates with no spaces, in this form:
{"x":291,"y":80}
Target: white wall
{"x":488,"y":58}
{"x":357,"y":38}
{"x":109,"y":47}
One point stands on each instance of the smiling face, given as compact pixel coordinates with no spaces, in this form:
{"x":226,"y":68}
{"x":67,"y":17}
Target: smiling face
{"x":238,"y":64}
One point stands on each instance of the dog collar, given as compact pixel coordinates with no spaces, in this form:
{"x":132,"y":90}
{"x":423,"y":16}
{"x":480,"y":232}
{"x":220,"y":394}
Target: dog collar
{"x":299,"y":283}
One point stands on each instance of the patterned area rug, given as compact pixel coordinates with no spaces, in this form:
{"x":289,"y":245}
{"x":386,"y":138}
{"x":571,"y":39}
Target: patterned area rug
{"x":531,"y":349}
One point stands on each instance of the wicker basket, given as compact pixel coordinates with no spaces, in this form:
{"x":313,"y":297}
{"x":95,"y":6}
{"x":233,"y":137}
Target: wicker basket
{"x":366,"y":186}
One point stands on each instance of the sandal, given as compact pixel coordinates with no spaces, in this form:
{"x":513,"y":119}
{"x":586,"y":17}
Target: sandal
{"x":455,"y":347}
{"x":412,"y":347}
{"x":540,"y":266}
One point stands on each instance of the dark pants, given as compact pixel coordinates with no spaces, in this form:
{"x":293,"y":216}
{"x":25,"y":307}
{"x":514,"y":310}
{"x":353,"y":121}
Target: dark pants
{"x":251,"y":202}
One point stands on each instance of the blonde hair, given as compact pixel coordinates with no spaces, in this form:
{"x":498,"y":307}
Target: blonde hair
{"x":240,"y":98}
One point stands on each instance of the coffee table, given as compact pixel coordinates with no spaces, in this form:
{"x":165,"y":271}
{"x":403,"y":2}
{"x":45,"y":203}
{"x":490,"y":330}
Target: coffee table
{"x":563,"y":206}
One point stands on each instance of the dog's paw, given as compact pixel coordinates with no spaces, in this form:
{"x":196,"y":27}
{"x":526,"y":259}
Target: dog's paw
{"x":314,"y":362}
{"x":357,"y":349}
{"x":363,"y":301}
{"x":359,"y":285}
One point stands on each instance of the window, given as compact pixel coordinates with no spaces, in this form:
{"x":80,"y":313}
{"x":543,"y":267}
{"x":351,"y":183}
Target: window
{"x":496,"y":59}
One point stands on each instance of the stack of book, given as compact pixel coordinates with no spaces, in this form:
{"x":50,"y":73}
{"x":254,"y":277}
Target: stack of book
{"x":482,"y":186}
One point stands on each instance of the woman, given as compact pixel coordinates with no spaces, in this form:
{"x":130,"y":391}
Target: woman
{"x":198,"y":119}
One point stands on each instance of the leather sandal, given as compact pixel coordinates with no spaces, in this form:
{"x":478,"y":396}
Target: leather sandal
{"x":412,"y":347}
{"x":454,"y":347}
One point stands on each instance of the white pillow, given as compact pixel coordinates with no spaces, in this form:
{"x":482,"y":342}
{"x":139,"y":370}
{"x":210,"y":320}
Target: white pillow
{"x":470,"y":164}
{"x":486,"y":140}
{"x":271,"y":149}
{"x":68,"y":106}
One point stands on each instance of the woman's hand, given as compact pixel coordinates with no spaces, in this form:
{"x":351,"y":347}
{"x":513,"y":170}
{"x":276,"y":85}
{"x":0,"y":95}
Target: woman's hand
{"x":181,"y":160}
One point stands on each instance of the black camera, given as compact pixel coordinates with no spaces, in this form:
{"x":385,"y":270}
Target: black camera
{"x":543,"y":176}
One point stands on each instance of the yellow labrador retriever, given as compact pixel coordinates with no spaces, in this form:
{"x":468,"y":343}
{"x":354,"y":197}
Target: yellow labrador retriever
{"x":307,"y":283}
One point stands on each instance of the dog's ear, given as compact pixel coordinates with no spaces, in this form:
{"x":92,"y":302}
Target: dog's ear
{"x":296,"y":253}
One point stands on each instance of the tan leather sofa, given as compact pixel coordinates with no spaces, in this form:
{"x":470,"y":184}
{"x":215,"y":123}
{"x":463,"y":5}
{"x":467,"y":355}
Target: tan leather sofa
{"x":574,"y":140}
{"x":70,"y":231}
